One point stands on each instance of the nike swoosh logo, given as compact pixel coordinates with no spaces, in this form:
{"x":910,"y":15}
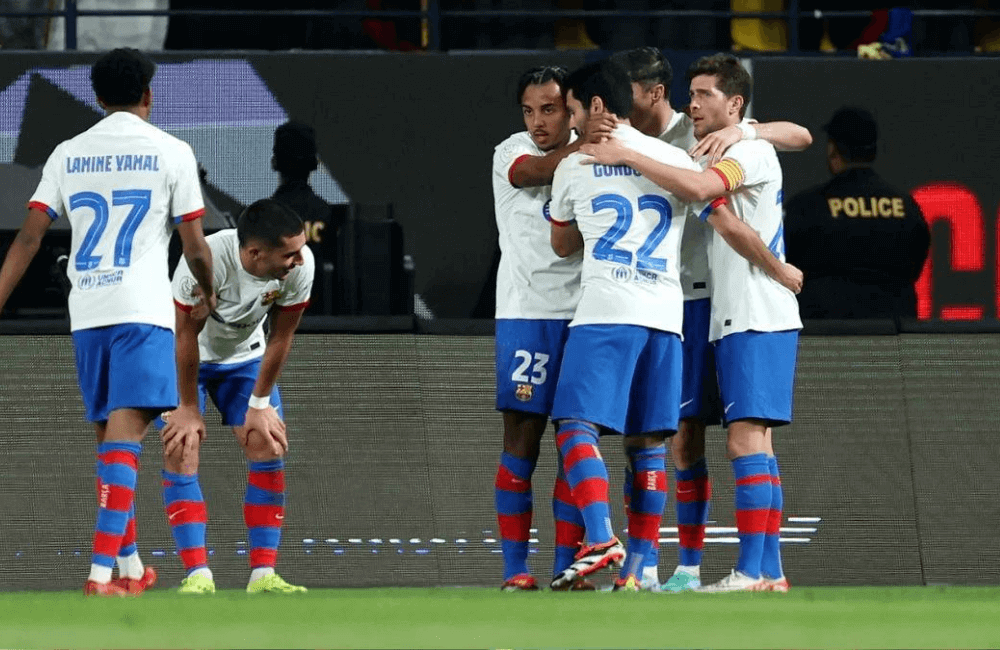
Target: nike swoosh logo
{"x":174,"y":514}
{"x":279,"y":516}
{"x":728,"y":406}
{"x":683,"y":404}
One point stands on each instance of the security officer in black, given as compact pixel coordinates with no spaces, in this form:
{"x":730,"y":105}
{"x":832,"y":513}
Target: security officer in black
{"x":295,"y":159}
{"x":860,"y":242}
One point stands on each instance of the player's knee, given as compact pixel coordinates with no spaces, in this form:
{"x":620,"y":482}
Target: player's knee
{"x":688,"y":445}
{"x":522,"y":435}
{"x":256,"y":446}
{"x":181,"y":460}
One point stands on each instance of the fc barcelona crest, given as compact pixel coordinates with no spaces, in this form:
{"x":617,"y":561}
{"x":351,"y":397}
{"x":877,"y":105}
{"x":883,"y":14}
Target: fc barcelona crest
{"x":269,"y":297}
{"x":524,"y":392}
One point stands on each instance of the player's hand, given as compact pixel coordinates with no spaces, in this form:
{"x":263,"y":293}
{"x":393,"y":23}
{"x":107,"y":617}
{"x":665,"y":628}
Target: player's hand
{"x":609,"y":152}
{"x":185,"y":429}
{"x":203,"y":307}
{"x":715,"y":144}
{"x":600,"y":127}
{"x":268,"y":423}
{"x":791,"y":278}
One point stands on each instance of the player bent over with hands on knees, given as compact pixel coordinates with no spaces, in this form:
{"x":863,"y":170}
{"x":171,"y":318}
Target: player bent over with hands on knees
{"x":653,"y":115}
{"x":123,"y":184}
{"x":262,"y":268}
{"x":754,"y":320}
{"x":537,"y":292}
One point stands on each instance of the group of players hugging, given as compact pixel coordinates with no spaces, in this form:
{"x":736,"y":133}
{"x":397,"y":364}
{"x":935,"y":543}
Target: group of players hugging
{"x":642,"y":292}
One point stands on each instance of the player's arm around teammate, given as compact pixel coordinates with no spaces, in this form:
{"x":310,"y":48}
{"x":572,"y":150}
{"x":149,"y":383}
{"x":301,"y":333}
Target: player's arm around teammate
{"x":696,"y":186}
{"x":785,"y":136}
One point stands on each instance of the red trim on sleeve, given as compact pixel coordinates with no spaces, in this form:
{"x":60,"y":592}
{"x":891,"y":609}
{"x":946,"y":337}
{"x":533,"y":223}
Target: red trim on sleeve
{"x":190,"y":216}
{"x":725,"y":181}
{"x":297,"y":307}
{"x":717,"y":202}
{"x":510,"y":170}
{"x":562,"y":224}
{"x":38,"y":205}
{"x":184,"y":308}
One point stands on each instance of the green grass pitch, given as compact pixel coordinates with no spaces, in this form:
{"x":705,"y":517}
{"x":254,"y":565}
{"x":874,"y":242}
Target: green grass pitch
{"x":830,"y":617}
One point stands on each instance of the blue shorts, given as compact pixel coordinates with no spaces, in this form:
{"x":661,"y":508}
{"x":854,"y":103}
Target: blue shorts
{"x":528,"y":356}
{"x":625,"y":378}
{"x":700,"y":387}
{"x":757,"y":375}
{"x":131,"y":365}
{"x":230,"y":386}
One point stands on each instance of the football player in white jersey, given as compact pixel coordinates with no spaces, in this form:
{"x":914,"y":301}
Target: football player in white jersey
{"x":621,"y":369}
{"x":653,"y":115}
{"x":754,"y":323}
{"x":123,"y":184}
{"x":262,"y":269}
{"x":536,"y":295}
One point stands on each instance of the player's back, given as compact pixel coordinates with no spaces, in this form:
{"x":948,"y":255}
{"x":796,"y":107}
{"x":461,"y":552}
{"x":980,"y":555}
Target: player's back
{"x":118,"y":183}
{"x":743,"y":296}
{"x":532,"y":281}
{"x":632,"y":230}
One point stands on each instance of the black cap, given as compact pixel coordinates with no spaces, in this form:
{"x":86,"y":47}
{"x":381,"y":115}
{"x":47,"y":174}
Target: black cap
{"x":295,"y":147}
{"x":854,"y":129}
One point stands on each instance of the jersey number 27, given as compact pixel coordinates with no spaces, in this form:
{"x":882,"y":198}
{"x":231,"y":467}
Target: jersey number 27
{"x":85,"y":259}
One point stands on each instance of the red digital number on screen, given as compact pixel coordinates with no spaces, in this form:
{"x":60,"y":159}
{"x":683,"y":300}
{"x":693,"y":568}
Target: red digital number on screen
{"x":957,"y":205}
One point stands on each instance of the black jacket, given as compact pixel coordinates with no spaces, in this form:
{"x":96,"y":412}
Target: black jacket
{"x":861,"y":244}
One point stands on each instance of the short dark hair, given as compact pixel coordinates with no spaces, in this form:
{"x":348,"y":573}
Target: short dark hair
{"x":605,"y":79}
{"x":268,"y":222}
{"x":646,"y":66}
{"x":854,"y":132}
{"x":539,"y":76}
{"x":731,"y":77}
{"x":295,"y":149}
{"x":122,"y":76}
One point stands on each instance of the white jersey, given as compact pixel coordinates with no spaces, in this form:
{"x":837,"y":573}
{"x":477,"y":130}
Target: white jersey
{"x":532,"y":281}
{"x":632,"y":232}
{"x":743,"y":296}
{"x":122,"y":183}
{"x":234,"y":332}
{"x":695,"y":277}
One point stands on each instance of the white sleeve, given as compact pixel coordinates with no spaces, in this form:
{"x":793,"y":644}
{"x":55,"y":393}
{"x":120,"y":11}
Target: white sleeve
{"x":48,"y":196}
{"x":184,"y":285}
{"x":559,"y":209}
{"x":298,"y":286}
{"x":742,"y":165}
{"x":507,"y":153}
{"x":186,"y":201}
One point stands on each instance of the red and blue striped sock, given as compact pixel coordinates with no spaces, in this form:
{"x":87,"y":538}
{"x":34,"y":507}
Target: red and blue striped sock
{"x":587,"y":476}
{"x":648,"y":499}
{"x":770,"y":564}
{"x":129,"y":546}
{"x":653,"y":558}
{"x":264,"y":510}
{"x":694,"y":491}
{"x":569,"y":525}
{"x":512,"y":495}
{"x":128,"y":553}
{"x":118,"y":465}
{"x":187,"y":516}
{"x":753,"y":507}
